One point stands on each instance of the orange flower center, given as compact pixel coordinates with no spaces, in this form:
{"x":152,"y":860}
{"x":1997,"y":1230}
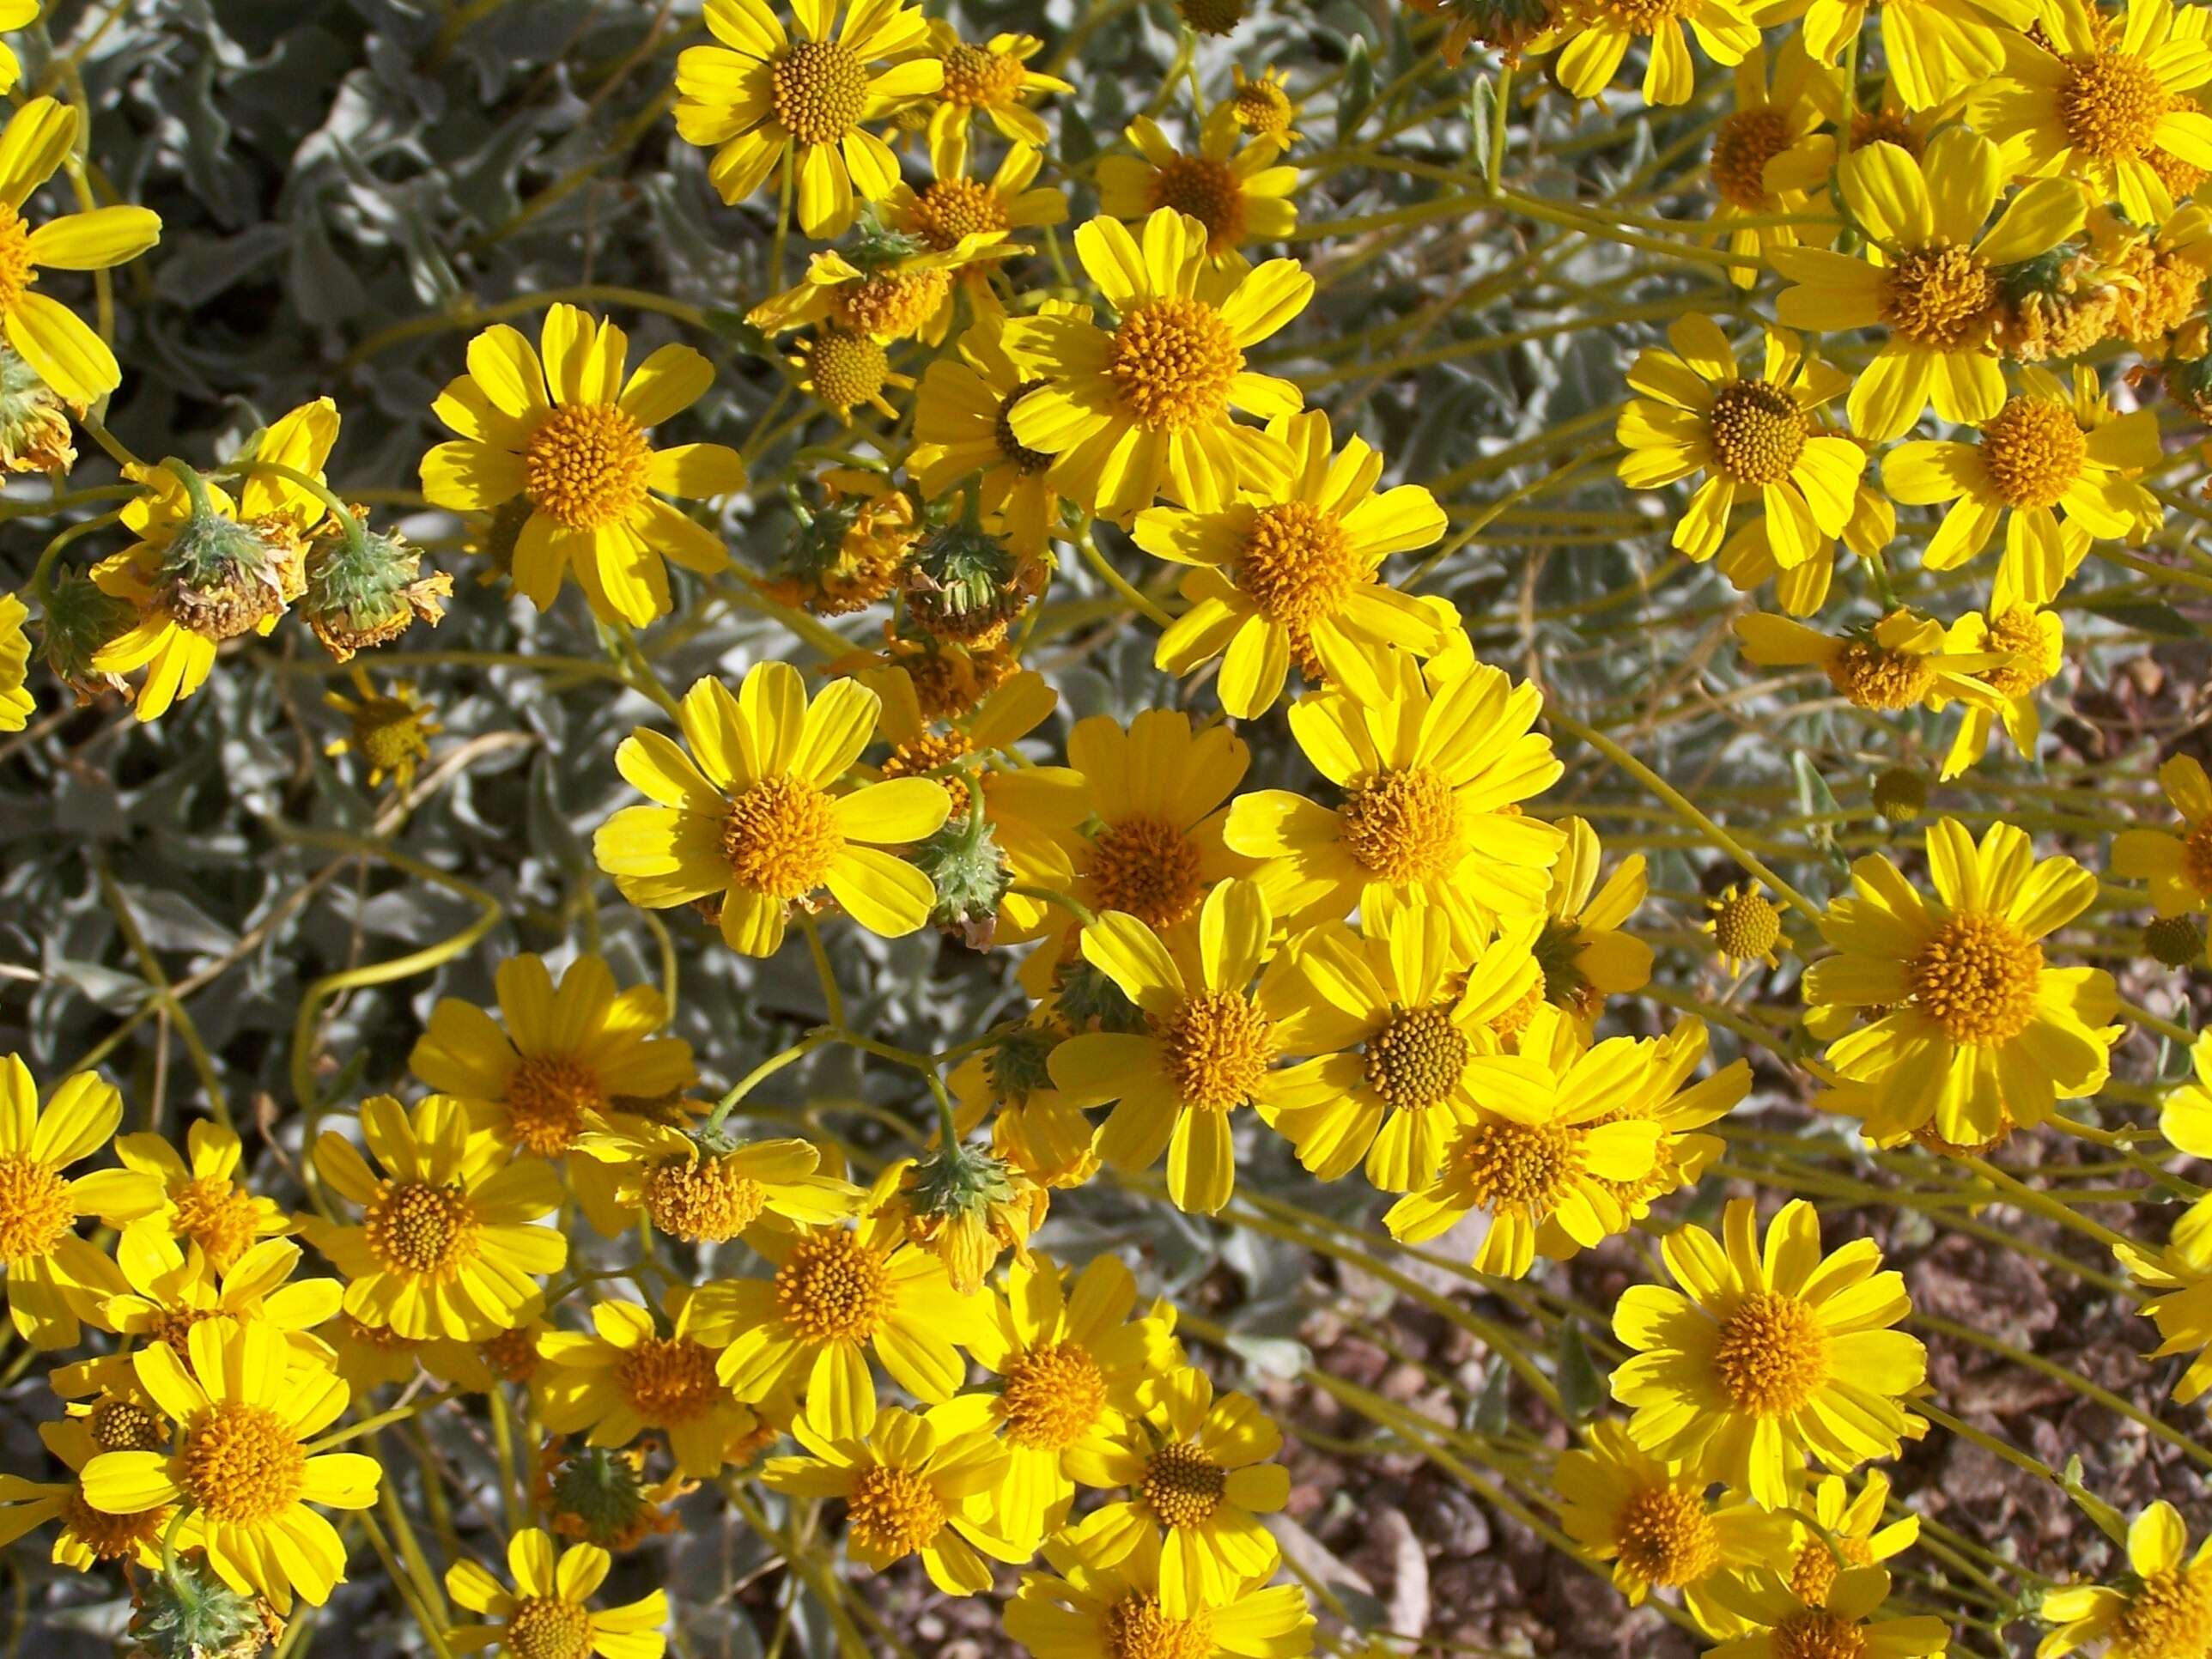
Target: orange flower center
{"x":547,"y":1628}
{"x":1813,"y":1574}
{"x":1757,"y":431}
{"x":17,"y":273}
{"x":1665,"y":1535}
{"x":546,"y":1101}
{"x":975,"y":78}
{"x":1262,"y":106}
{"x":893,"y":1512}
{"x":34,"y":1208}
{"x":1207,"y":189}
{"x":1052,"y":1395}
{"x":2172,"y":1613}
{"x":1871,"y":677}
{"x":218,"y":1216}
{"x":669,"y":1380}
{"x":419,"y":1229}
{"x":2033,"y":450}
{"x":1746,"y":141}
{"x":889,"y":303}
{"x":819,"y":89}
{"x":1773,"y":1356}
{"x":1136,"y":1628}
{"x":1148,"y":867}
{"x":1940,"y":297}
{"x":1183,"y":1485}
{"x":956,"y":207}
{"x":1404,"y":825}
{"x":112,"y":1537}
{"x":833,"y":1288}
{"x":1297,"y":564}
{"x":1819,"y":1634}
{"x":1216,"y":1047}
{"x":780,"y":836}
{"x":2111,"y":104}
{"x":702,"y":1200}
{"x":1977,"y":979}
{"x":586,"y":466}
{"x":242,"y":1464}
{"x":1173,"y":360}
{"x":1516,"y":1169}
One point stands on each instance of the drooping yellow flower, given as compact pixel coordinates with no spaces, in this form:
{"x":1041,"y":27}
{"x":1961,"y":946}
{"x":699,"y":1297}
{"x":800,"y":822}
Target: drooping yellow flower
{"x":46,"y":334}
{"x":202,"y":1201}
{"x":1934,"y":49}
{"x":1850,"y":1524}
{"x":963,"y":427}
{"x":17,"y":705}
{"x":1903,"y":661}
{"x":1934,"y":288}
{"x":912,"y":1485}
{"x":2031,"y":644}
{"x":898,"y":290}
{"x":545,"y":1616}
{"x":2178,"y":868}
{"x":2167,"y":1609}
{"x":1432,"y":781}
{"x":1093,"y":1610}
{"x":993,"y":80}
{"x":2098,"y":100}
{"x":1239,"y":194}
{"x":1783,"y":1626}
{"x":700,"y":1186}
{"x":1755,"y":440}
{"x":759,"y":812}
{"x":623,"y":1378}
{"x":1540,"y":1148}
{"x":87,"y":1538}
{"x":1585,"y":951}
{"x":446,"y":1246}
{"x":390,"y":729}
{"x":566,"y":434}
{"x":1975,"y":1026}
{"x":953,"y":207}
{"x":1197,"y":1468}
{"x":1653,"y":1522}
{"x":1759,"y":1359}
{"x":245,"y":1414}
{"x":55,"y":1278}
{"x":1262,"y":105}
{"x":1145,"y":409}
{"x":1289,"y":576}
{"x":1771,"y":119}
{"x":761,"y":97}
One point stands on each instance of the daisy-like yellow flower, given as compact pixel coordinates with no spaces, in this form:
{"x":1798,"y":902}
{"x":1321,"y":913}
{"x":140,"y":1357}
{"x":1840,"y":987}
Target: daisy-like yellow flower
{"x":390,"y":729}
{"x":1653,"y":1522}
{"x":2031,"y":644}
{"x":46,"y":334}
{"x":202,"y":1200}
{"x":758,"y":814}
{"x":704,"y":1187}
{"x":912,"y":1485}
{"x":87,"y":1538}
{"x":1934,"y":49}
{"x":1075,"y":1367}
{"x":1597,"y":35}
{"x":2098,"y":100}
{"x":760,"y":97}
{"x":558,"y":1058}
{"x":1431,"y":784}
{"x":566,"y":434}
{"x":446,"y":1246}
{"x":2045,"y":453}
{"x":1539,"y":1137}
{"x":1902,"y":661}
{"x":14,"y":14}
{"x":55,"y":1278}
{"x":1681,"y":1107}
{"x":1424,"y":1016}
{"x":1746,"y":558}
{"x":1930,"y":277}
{"x":2178,"y":868}
{"x":1144,"y":409}
{"x":1237,"y":193}
{"x":993,"y":80}
{"x":2167,"y":1609}
{"x":1772,"y":117}
{"x":900,"y":288}
{"x":1759,"y":1359}
{"x":1755,"y":439}
{"x":206,"y":567}
{"x":1851,"y":1525}
{"x":622,"y":1377}
{"x":545,"y":1615}
{"x":244,"y":1413}
{"x":1783,"y":1626}
{"x":1095,"y":1610}
{"x":1210,"y":1040}
{"x":1290,"y":576}
{"x":172,"y":1289}
{"x":952,"y":208}
{"x":963,"y":427}
{"x":17,"y":705}
{"x":1197,"y":1468}
{"x":838,"y":1293}
{"x":1263,"y":106}
{"x":1584,"y":950}
{"x":1976,"y":1026}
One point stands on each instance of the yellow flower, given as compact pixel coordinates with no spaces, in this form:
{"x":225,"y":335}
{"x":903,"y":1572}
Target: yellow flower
{"x":445,"y":1247}
{"x":1929,"y":279}
{"x":14,"y":14}
{"x":952,"y":208}
{"x":962,"y":424}
{"x":2180,"y":1306}
{"x":1197,"y":1469}
{"x":760,"y":97}
{"x":2167,"y":1609}
{"x":898,"y":290}
{"x":1934,"y":49}
{"x":1585,"y":954}
{"x":1770,"y":123}
{"x":1744,"y":925}
{"x":1422,"y":1018}
{"x":760,"y":815}
{"x":1540,"y":1149}
{"x":1145,"y":409}
{"x":1784,"y":1626}
{"x":623,"y":1378}
{"x":1210,"y":1042}
{"x":1288,"y":575}
{"x":173,"y":1289}
{"x":1033,"y":1127}
{"x":203,"y":1202}
{"x":1761,"y":1359}
{"x":2185,"y":1118}
{"x":1746,"y":557}
{"x":1073,"y":1369}
{"x":994,"y":80}
{"x":1681,"y":1108}
{"x":843,"y":369}
{"x":836,"y":1293}
{"x":702,"y":1187}
{"x":1093,"y":1610}
{"x":912,"y":1485}
{"x":390,"y":730}
{"x":56,"y":1279}
{"x":2177,"y":866}
{"x":1239,"y":195}
{"x":1976,"y":1026}
{"x":244,"y":1413}
{"x":2044,"y":452}
{"x":1755,"y":440}
{"x":46,"y":334}
{"x":566,"y":435}
{"x":2030,"y":643}
{"x":1654,"y":1524}
{"x":2096,"y":99}
{"x":1851,"y":1525}
{"x":87,"y":1538}
{"x":205,"y":568}
{"x":1597,"y":34}
{"x":17,"y":705}
{"x":544,"y":1615}
{"x":1903,"y":661}
{"x":1432,"y":782}
{"x":1263,"y":106}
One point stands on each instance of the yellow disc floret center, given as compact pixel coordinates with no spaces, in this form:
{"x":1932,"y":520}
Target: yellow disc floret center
{"x":702,"y":1200}
{"x":1977,"y":979}
{"x":119,"y":1424}
{"x":586,"y":466}
{"x":1772,"y":1355}
{"x":34,"y":1208}
{"x":1940,"y":297}
{"x":2031,"y":656}
{"x":1404,"y":825}
{"x":1871,"y":677}
{"x":1172,"y":361}
{"x":112,"y":1537}
{"x":17,"y":272}
{"x":668,"y":1380}
{"x":217,"y":1215}
{"x":1148,"y":867}
{"x":417,"y":1229}
{"x":978,"y":79}
{"x":241,"y":1463}
{"x":1297,"y":563}
{"x":819,"y":89}
{"x":546,"y":1101}
{"x":1054,"y":1395}
{"x":846,"y":368}
{"x":780,"y":837}
{"x":2033,"y":450}
{"x":1216,"y":1047}
{"x":1134,"y":1627}
{"x":956,"y":207}
{"x":1819,"y":1634}
{"x":890,"y":303}
{"x":833,"y":1288}
{"x":1207,"y":189}
{"x":2172,"y":1613}
{"x":2111,"y":105}
{"x":1667,"y":1536}
{"x":893,"y":1512}
{"x":1813,"y":1574}
{"x":547,"y":1628}
{"x":1746,"y":926}
{"x":1746,"y":141}
{"x":1183,"y":1485}
{"x":1516,"y":1169}
{"x":1757,"y":431}
{"x":1417,"y":1057}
